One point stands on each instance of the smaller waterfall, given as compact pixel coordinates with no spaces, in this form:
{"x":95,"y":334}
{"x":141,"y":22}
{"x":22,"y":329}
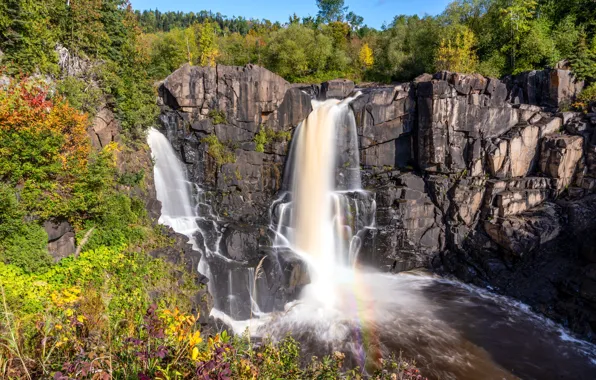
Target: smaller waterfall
{"x":193,"y":217}
{"x":172,"y":187}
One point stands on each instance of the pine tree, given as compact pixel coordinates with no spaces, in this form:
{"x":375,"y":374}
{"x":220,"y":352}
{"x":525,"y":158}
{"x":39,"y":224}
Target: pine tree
{"x":583,"y":61}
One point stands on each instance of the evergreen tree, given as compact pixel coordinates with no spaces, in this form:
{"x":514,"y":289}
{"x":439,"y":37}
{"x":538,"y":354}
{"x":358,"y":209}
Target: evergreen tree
{"x":583,"y":61}
{"x":331,"y":10}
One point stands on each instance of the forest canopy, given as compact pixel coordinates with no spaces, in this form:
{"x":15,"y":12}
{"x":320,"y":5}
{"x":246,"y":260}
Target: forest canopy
{"x":493,"y":37}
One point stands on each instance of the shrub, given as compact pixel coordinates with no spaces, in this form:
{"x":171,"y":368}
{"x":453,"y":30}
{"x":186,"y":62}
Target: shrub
{"x":268,"y":135}
{"x":221,"y":153}
{"x":217,"y":117}
{"x":586,"y":98}
{"x":40,"y":139}
{"x":23,"y":244}
{"x":81,"y":95}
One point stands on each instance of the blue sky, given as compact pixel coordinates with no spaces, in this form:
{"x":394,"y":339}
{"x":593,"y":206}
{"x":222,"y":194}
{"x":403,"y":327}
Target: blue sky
{"x":375,"y":12}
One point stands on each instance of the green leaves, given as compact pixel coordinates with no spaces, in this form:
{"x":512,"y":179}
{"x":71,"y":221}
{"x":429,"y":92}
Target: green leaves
{"x":22,"y":244}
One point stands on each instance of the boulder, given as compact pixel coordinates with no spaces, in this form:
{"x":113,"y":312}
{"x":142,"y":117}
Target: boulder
{"x":514,"y":196}
{"x":513,"y":154}
{"x":104,"y":129}
{"x":62,"y":247}
{"x":523,"y":233}
{"x":550,"y":87}
{"x":61,"y":239}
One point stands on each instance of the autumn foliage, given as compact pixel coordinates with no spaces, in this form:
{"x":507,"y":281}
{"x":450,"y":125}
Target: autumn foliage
{"x":40,"y":139}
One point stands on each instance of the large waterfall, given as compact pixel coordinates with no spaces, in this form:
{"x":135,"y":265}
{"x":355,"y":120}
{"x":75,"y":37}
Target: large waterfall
{"x":453,"y":331}
{"x":323,"y":209}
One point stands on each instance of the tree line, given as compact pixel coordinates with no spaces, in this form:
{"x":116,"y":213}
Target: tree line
{"x":493,"y":37}
{"x":134,"y":49}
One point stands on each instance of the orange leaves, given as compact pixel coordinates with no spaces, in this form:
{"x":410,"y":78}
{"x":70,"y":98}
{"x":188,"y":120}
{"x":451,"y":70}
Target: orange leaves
{"x":27,"y":114}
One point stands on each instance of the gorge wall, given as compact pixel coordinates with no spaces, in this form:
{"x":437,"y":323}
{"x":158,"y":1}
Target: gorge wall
{"x":477,"y":177}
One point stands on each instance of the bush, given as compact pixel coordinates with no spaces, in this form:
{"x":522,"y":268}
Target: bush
{"x":267,"y":135}
{"x":81,"y":95}
{"x":221,"y":153}
{"x":40,"y":139}
{"x":586,"y":98}
{"x":23,"y":244}
{"x":217,"y":117}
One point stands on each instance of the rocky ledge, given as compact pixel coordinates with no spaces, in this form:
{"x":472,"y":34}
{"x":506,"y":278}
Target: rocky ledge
{"x":477,"y":177}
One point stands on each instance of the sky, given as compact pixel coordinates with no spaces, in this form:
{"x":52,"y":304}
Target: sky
{"x":375,"y":12}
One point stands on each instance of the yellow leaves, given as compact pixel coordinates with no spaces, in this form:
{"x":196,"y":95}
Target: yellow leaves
{"x":195,"y":338}
{"x":112,"y":149}
{"x":457,"y":53}
{"x":66,"y":297}
{"x":366,"y":56}
{"x":62,"y":342}
{"x":179,"y":326}
{"x":207,"y":43}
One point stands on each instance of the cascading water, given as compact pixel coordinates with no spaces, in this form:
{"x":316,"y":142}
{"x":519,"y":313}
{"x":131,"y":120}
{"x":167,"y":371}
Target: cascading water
{"x":452,"y":330}
{"x":322,"y":182}
{"x":172,"y":187}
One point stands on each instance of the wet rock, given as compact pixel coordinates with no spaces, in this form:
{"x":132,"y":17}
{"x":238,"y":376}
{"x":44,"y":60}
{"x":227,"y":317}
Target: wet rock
{"x":241,"y":244}
{"x":408,"y":231}
{"x":204,"y":125}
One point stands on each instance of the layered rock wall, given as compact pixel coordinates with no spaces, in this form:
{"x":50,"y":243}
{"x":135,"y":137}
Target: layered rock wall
{"x":473,"y":176}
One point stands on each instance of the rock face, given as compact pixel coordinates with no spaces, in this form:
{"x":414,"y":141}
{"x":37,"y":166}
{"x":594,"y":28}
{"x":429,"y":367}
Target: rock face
{"x":473,"y":176}
{"x":104,"y":128}
{"x":61,"y":239}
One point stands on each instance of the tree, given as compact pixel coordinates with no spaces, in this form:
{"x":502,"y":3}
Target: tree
{"x":366,"y":56}
{"x":354,"y":20}
{"x":516,"y":20}
{"x":298,"y":51}
{"x":583,"y":61}
{"x":457,"y":53}
{"x":87,"y":31}
{"x":207,"y":39}
{"x":331,"y":10}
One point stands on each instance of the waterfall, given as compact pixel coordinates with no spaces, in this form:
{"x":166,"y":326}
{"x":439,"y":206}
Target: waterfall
{"x":324,"y":202}
{"x":454,"y":331}
{"x":173,"y":189}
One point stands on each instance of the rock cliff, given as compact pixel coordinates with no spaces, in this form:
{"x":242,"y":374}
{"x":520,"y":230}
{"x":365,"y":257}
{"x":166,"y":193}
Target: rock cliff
{"x":476,"y":177}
